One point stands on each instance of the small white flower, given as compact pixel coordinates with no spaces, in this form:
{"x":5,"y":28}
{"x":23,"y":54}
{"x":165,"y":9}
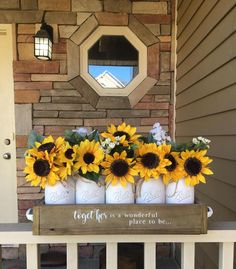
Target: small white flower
{"x":195,"y":141}
{"x":112,"y":145}
{"x":107,"y":140}
{"x":117,"y":138}
{"x":82,"y":131}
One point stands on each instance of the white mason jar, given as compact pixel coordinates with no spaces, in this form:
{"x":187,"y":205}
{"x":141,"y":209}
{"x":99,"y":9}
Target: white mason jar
{"x":62,"y":193}
{"x":89,"y":192}
{"x":179,"y":193}
{"x":118,"y":194}
{"x":150,"y":192}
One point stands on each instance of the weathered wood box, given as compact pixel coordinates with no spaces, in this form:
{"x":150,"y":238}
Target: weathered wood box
{"x":119,"y":219}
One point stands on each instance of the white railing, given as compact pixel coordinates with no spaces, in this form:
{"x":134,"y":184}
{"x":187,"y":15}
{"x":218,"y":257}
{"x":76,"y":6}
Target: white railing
{"x":223,"y":233}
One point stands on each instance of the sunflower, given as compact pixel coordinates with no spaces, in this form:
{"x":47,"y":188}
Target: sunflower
{"x":151,"y":161}
{"x":174,"y":171}
{"x":125,"y":132}
{"x":66,"y":159}
{"x":89,"y":158}
{"x":119,"y":168}
{"x":195,"y":164}
{"x":41,"y":170}
{"x":49,"y":144}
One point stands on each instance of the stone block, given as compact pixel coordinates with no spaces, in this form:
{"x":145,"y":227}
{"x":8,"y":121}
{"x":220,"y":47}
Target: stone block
{"x":60,"y":92}
{"x":30,"y":196}
{"x":113,"y":102}
{"x":148,"y":98}
{"x":36,"y":66}
{"x":102,"y":122}
{"x":162,"y":98}
{"x":165,"y":38}
{"x":107,"y":18}
{"x":128,"y":113}
{"x":29,"y":4}
{"x":165,"y":61}
{"x":84,"y":114}
{"x":45,"y":114}
{"x":86,"y":91}
{"x":153,"y":61}
{"x":153,"y":18}
{"x":86,"y":6}
{"x":142,"y":32}
{"x":149,"y":7}
{"x":21,"y":141}
{"x":57,"y":130}
{"x":23,"y":119}
{"x":62,"y":85}
{"x":63,"y":67}
{"x":26,"y":29}
{"x":25,"y":39}
{"x":65,"y":31}
{"x":85,"y":30}
{"x":29,"y":189}
{"x":160,"y":113}
{"x":87,"y":107}
{"x":151,"y":121}
{"x":68,"y":100}
{"x":22,"y":77}
{"x":165,"y":46}
{"x":57,"y":107}
{"x":165,"y":29}
{"x":154,"y":28}
{"x":33,"y":85}
{"x":57,"y":121}
{"x":12,"y":16}
{"x":141,"y":90}
{"x":59,"y":48}
{"x":62,"y":5}
{"x":62,"y":17}
{"x":152,"y":106}
{"x":26,"y":51}
{"x":9,"y":4}
{"x":48,"y":77}
{"x":118,"y":6}
{"x":39,"y":129}
{"x":72,"y":60}
{"x":26,"y":96}
{"x":160,"y":90}
{"x":144,"y":129}
{"x":133,"y":121}
{"x":45,"y":99}
{"x":82,"y":17}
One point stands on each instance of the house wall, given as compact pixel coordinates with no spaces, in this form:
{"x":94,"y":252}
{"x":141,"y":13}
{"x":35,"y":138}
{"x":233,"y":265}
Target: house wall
{"x":47,"y":103}
{"x":206,"y":99}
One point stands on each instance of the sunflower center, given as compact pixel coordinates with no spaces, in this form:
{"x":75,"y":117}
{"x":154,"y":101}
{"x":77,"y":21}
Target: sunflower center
{"x":119,"y":168}
{"x":192,"y":166}
{"x":150,"y":160}
{"x":88,"y":157}
{"x":46,"y":147}
{"x":173,"y":164}
{"x":41,"y":168}
{"x":69,"y":153}
{"x":121,"y":133}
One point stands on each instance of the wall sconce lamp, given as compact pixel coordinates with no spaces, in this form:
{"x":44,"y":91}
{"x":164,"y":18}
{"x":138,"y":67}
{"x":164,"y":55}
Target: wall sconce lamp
{"x":43,"y":41}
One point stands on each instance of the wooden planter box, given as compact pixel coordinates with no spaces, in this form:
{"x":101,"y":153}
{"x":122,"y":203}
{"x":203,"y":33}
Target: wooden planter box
{"x":119,"y":219}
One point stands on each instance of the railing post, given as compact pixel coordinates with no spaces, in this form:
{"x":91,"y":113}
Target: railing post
{"x":226,"y":255}
{"x":149,"y":255}
{"x":187,"y":255}
{"x":32,"y":256}
{"x":111,"y":256}
{"x":72,"y":256}
{"x":0,"y":256}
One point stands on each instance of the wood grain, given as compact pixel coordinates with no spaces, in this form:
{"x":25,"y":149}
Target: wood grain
{"x":120,"y":219}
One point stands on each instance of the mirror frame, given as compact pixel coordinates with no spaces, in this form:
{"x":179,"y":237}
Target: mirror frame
{"x":113,"y":31}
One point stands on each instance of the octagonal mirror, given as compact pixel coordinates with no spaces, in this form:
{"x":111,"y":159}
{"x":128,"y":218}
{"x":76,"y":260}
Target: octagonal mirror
{"x":113,"y":62}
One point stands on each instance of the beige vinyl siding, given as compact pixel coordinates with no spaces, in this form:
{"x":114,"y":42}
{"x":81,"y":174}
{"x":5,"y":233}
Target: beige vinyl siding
{"x":206,"y":93}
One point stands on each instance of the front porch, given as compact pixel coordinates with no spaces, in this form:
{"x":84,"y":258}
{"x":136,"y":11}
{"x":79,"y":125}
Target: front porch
{"x":223,"y":233}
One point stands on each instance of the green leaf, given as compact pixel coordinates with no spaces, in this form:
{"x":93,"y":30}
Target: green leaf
{"x":34,"y":137}
{"x":92,"y":176}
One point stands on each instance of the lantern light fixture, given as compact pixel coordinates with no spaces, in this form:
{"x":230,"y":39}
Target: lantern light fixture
{"x":43,"y":41}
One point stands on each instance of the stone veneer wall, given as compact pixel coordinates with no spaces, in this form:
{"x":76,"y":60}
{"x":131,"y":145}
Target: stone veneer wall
{"x":47,"y":103}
